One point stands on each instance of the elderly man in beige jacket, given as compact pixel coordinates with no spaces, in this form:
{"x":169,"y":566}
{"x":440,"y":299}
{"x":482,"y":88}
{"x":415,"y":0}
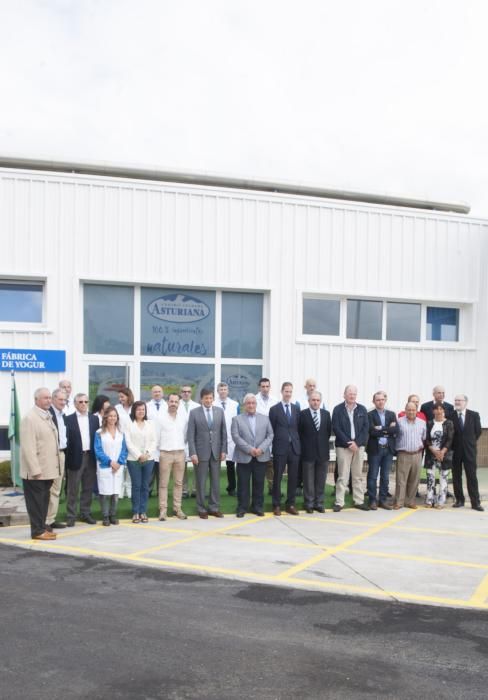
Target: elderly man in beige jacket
{"x":40,"y":462}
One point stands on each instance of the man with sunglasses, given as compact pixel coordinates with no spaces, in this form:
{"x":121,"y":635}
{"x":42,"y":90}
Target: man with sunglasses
{"x":81,"y":427}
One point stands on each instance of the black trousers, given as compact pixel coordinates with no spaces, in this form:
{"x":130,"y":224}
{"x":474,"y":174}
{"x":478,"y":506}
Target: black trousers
{"x":471,"y":479}
{"x":245,"y":471}
{"x":231,"y":476}
{"x":279,"y":465}
{"x":36,"y":494}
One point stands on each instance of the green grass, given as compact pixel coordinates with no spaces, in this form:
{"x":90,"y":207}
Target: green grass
{"x":227,"y":503}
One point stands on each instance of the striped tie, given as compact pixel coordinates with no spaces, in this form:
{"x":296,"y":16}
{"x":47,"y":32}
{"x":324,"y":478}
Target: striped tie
{"x":316,"y":420}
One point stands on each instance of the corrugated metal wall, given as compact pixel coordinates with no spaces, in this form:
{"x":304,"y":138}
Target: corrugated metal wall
{"x":74,"y":228}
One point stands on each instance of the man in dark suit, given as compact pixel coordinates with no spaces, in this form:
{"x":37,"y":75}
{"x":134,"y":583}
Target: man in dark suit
{"x":438,"y":392}
{"x":315,"y":429}
{"x":252,"y":435}
{"x":467,"y":430}
{"x":350,"y":426}
{"x":286,"y":448}
{"x":207,"y":447}
{"x":81,"y":427}
{"x":56,"y":409}
{"x":383,"y":429}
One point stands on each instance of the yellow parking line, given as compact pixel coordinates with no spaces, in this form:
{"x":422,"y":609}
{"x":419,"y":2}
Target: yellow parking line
{"x":199,"y":535}
{"x":344,"y":545}
{"x":412,"y":557}
{"x":454,"y":533}
{"x":480,"y":596}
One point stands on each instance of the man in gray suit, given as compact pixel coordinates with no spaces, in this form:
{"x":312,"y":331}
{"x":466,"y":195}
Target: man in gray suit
{"x":252,"y":434}
{"x":207,"y":447}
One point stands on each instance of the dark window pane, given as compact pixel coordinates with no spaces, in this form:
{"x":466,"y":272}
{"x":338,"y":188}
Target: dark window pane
{"x":364,"y":319}
{"x":321,"y":316}
{"x":242,"y":379}
{"x":242,"y":325}
{"x":442,"y":323}
{"x":173,"y":376}
{"x":108,"y":380}
{"x":177,"y":323}
{"x":108,"y":319}
{"x":403,"y":321}
{"x":21,"y":302}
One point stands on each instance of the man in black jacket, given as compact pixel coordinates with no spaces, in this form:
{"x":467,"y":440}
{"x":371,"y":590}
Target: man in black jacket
{"x":383,"y":429}
{"x":314,"y":429}
{"x":80,"y":460}
{"x":351,"y":428}
{"x":286,"y":448}
{"x":438,"y":392}
{"x":467,"y":430}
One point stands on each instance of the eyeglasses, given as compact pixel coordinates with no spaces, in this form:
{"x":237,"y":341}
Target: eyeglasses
{"x":82,"y":401}
{"x":186,"y":391}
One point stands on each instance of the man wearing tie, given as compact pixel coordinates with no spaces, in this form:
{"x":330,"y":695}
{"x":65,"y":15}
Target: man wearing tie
{"x":315,"y":430}
{"x":286,"y":448}
{"x":252,"y":435}
{"x":207,"y":444}
{"x":467,"y":430}
{"x":186,"y":405}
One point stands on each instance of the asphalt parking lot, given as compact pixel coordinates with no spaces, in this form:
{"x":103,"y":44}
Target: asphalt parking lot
{"x":419,"y":556}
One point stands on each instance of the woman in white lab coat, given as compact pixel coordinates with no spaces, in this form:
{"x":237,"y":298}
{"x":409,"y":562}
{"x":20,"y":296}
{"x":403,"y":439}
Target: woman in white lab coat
{"x":123,"y":408}
{"x":111,"y":455}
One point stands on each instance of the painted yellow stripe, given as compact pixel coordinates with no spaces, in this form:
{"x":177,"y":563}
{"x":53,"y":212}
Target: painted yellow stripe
{"x":419,"y":558}
{"x":480,"y":596}
{"x":453,"y":533}
{"x":345,"y":545}
{"x":198,"y":536}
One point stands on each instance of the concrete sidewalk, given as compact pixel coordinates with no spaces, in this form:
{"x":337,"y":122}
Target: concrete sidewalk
{"x":420,"y":556}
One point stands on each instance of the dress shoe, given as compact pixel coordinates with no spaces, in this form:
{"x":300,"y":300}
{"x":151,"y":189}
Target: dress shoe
{"x":70,"y":522}
{"x":240,"y":514}
{"x":45,"y":536}
{"x":385,"y":506}
{"x":362,"y":506}
{"x":308,"y":510}
{"x":320,"y":509}
{"x":413,"y":506}
{"x":106,"y":522}
{"x":373,"y":506}
{"x":180,"y":515}
{"x":478,"y":507}
{"x":337,"y":508}
{"x":458,"y":504}
{"x":57,"y":525}
{"x":88,"y":519}
{"x":276,"y":510}
{"x":259,"y":513}
{"x":203,"y":515}
{"x":291,"y":510}
{"x":397,"y":506}
{"x":113,"y":520}
{"x":215,"y":513}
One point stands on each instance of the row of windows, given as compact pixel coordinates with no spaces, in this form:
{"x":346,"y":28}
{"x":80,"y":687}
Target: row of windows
{"x":379,"y":320}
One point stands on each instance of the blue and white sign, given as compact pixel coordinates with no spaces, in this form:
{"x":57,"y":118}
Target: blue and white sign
{"x":177,"y":324}
{"x":32,"y":360}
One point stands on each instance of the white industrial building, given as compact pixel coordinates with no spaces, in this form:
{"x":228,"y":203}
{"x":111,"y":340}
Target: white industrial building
{"x":143,"y":276}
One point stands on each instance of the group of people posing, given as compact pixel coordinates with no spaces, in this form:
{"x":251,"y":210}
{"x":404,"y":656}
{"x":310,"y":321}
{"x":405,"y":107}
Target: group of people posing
{"x":112,"y":450}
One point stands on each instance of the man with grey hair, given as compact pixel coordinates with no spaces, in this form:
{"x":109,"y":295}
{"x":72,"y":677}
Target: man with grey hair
{"x":351,"y":429}
{"x":58,"y":402}
{"x":230,"y":409}
{"x":314,"y":428}
{"x":410,"y":441}
{"x":252,"y":435}
{"x":40,"y":462}
{"x":467,"y":430}
{"x":438,"y":392}
{"x":66,"y":386}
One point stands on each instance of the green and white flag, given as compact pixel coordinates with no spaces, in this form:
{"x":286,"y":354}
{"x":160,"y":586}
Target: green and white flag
{"x":14,"y":435}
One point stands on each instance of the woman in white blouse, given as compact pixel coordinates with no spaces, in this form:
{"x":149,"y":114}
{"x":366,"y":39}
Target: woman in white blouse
{"x":111,"y":454}
{"x":140,"y":436}
{"x":123,"y":408}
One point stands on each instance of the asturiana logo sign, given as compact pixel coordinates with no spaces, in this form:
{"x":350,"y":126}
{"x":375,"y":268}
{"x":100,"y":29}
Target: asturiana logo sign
{"x":178,"y":308}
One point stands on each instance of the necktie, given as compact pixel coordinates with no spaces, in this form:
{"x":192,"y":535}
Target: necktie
{"x":209,"y":418}
{"x":461,"y":421}
{"x":186,"y":405}
{"x":316,"y":420}
{"x":288,"y":414}
{"x":223,"y":405}
{"x":157,"y":405}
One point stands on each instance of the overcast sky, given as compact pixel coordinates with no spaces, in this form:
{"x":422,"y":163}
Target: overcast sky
{"x":375,"y":95}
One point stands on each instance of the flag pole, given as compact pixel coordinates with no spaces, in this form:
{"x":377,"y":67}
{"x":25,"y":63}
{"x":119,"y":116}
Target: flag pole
{"x":14,"y":435}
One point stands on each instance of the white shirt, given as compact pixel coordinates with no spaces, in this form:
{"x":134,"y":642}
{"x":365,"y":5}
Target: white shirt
{"x":84,"y":427}
{"x":140,"y":440}
{"x":124,"y":416}
{"x":186,"y":406}
{"x":61,"y":429}
{"x":231,"y":409}
{"x":173,"y":432}
{"x":263,"y":406}
{"x":69,"y":407}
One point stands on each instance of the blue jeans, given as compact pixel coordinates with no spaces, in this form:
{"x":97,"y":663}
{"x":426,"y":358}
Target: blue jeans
{"x":379,"y":463}
{"x":140,"y":475}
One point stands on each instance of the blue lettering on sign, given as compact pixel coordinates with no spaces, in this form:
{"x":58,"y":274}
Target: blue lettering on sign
{"x":32,"y":360}
{"x":178,"y":308}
